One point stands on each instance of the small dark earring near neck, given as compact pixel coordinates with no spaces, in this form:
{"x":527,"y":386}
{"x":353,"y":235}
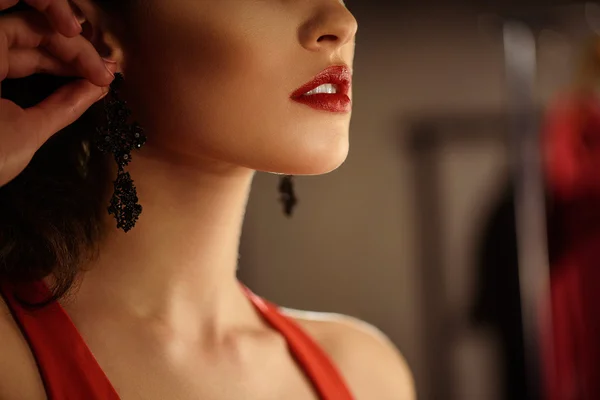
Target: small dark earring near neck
{"x":287,"y":194}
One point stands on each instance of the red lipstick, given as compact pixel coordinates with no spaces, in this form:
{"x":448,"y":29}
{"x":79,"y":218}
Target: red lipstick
{"x":340,"y":77}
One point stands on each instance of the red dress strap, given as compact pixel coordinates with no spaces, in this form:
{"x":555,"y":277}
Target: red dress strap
{"x":70,"y":371}
{"x":319,"y":368}
{"x":67,"y":367}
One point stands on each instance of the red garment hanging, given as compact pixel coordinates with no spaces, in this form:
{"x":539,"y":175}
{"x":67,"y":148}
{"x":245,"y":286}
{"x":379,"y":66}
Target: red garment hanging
{"x":571,"y":145}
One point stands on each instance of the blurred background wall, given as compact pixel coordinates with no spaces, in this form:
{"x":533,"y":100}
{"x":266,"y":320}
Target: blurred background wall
{"x":361,"y":241}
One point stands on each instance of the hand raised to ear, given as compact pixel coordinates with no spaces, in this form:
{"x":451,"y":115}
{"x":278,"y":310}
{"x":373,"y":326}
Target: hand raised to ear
{"x":45,"y":41}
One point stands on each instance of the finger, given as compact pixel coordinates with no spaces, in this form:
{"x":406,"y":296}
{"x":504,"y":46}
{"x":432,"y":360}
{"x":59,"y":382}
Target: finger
{"x":60,"y":15}
{"x":61,"y":109}
{"x":82,"y":55}
{"x":25,"y":62}
{"x":24,"y":29}
{"x":6,"y":4}
{"x":30,"y":30}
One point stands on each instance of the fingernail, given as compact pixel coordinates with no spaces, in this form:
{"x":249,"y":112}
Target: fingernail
{"x":76,"y":24}
{"x":106,"y":60}
{"x":108,"y":69}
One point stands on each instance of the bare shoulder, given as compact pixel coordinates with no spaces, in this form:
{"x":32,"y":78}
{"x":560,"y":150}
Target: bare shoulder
{"x":370,"y":363}
{"x":19,"y":378}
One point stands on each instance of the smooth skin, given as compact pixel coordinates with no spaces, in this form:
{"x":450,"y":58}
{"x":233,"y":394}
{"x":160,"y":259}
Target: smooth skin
{"x":161,"y":308}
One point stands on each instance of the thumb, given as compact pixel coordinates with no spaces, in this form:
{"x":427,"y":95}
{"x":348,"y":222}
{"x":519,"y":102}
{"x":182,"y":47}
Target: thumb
{"x":62,"y":108}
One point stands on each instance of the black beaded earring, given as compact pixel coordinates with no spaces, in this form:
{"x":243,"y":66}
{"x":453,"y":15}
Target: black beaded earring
{"x":287,"y":194}
{"x":119,"y":138}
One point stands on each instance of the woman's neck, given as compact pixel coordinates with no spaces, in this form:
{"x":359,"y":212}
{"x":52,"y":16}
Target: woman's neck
{"x":179,"y":263}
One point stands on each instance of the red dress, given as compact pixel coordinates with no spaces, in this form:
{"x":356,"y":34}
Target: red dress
{"x":572,"y":162}
{"x":69,"y":371}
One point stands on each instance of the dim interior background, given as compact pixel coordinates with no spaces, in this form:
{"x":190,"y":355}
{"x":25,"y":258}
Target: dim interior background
{"x":392,"y":236}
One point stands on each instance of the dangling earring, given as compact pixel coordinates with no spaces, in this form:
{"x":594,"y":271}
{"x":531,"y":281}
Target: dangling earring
{"x":119,"y":138}
{"x":288,"y":196}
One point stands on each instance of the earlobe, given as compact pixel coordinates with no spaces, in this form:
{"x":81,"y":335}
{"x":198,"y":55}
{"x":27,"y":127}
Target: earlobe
{"x":79,"y":14}
{"x":84,"y":12}
{"x":109,"y":48}
{"x":94,"y":30}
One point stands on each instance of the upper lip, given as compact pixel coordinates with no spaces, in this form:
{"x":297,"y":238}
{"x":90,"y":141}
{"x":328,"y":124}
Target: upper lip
{"x":339,"y":75}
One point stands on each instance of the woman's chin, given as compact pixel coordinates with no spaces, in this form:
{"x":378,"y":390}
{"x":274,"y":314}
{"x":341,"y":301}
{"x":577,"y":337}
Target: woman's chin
{"x":325,"y":167}
{"x":310,"y":162}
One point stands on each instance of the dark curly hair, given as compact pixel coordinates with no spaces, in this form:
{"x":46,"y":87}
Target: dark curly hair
{"x":50,"y":215}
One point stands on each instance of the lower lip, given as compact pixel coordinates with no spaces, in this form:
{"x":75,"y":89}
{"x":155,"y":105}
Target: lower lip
{"x":337,"y":103}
